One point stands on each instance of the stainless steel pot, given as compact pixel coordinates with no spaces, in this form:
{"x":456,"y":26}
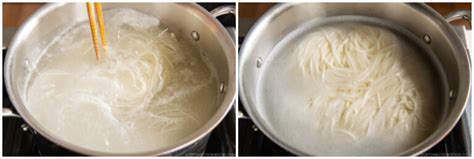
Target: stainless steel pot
{"x":419,"y":19}
{"x":188,"y":19}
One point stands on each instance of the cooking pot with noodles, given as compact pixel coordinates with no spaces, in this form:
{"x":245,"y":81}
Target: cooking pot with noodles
{"x":354,"y":79}
{"x":167,"y":81}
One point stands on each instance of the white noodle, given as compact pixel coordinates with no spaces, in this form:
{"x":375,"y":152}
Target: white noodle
{"x":143,"y":96}
{"x":358,"y":66}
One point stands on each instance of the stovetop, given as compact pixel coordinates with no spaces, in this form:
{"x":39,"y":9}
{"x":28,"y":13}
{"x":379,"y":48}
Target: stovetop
{"x":252,"y":142}
{"x":20,"y":140}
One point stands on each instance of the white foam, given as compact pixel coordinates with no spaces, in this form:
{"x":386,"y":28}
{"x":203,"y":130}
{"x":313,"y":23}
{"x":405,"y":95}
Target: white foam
{"x":139,"y":20}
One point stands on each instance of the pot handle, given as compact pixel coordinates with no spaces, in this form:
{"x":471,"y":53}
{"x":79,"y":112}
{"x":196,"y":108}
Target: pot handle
{"x":7,"y":112}
{"x":223,"y":10}
{"x":459,"y":14}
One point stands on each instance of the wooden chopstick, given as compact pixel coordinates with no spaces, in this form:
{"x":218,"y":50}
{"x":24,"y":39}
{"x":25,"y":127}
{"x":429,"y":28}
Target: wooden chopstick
{"x":93,"y":24}
{"x":95,"y":39}
{"x":100,"y":18}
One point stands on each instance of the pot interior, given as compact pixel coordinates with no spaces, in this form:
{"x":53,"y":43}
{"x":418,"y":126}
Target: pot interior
{"x":55,"y":19}
{"x":283,"y":24}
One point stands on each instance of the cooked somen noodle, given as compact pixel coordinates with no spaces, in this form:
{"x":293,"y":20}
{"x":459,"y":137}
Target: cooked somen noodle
{"x":154,"y":89}
{"x":367,"y":87}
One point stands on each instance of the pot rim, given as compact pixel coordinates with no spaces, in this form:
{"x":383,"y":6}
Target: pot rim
{"x":421,"y":147}
{"x":223,"y":109}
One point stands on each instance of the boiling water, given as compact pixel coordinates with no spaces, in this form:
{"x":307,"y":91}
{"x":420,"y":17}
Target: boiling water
{"x":292,"y":109}
{"x":153,"y":89}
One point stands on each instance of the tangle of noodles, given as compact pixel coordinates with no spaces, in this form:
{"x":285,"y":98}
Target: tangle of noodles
{"x":153,"y":89}
{"x":367,"y":88}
